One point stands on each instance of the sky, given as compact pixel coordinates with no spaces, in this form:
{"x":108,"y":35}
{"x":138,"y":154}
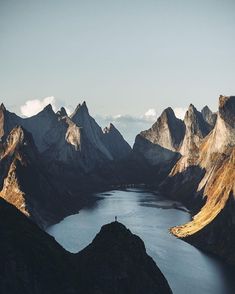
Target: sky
{"x":128,"y":59}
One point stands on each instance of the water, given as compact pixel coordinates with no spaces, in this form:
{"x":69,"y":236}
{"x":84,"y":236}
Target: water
{"x":147,"y":214}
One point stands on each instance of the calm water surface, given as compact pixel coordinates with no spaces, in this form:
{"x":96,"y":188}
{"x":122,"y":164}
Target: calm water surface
{"x":148,"y":215}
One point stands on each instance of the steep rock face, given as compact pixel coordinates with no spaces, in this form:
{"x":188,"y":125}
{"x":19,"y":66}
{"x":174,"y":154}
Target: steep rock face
{"x":167,"y":132}
{"x":196,"y":130}
{"x":32,"y":262}
{"x":70,"y":145}
{"x":39,"y":125}
{"x":216,"y":187}
{"x":209,"y":116}
{"x":26,"y":184}
{"x":162,"y":141}
{"x":8,"y":121}
{"x":115,"y":143}
{"x":93,"y":131}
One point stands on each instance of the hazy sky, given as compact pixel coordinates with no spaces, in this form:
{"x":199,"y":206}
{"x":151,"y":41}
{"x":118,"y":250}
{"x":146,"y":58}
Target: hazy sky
{"x":122,"y":57}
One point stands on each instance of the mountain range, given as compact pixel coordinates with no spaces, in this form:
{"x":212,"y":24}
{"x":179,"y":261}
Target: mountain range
{"x":50,"y":164}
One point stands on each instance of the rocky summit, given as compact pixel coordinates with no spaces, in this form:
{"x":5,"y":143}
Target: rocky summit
{"x":32,"y":262}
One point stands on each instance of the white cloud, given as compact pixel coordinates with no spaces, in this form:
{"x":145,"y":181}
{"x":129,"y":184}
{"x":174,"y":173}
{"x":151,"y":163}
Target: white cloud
{"x":180,"y":112}
{"x":32,"y":107}
{"x":151,"y":115}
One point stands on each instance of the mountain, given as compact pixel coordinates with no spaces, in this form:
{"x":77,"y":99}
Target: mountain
{"x":196,"y":130}
{"x":213,"y":227}
{"x":26,"y":183}
{"x":93,"y":131}
{"x":8,"y":121}
{"x":38,"y":125}
{"x":209,"y":116}
{"x":70,"y":145}
{"x":162,"y":141}
{"x":50,"y":163}
{"x":115,"y":143}
{"x":32,"y":262}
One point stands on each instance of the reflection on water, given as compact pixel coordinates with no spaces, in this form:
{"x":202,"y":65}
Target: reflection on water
{"x":148,"y":215}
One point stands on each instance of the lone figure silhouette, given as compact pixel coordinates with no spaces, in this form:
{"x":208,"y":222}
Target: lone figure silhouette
{"x":115,"y":218}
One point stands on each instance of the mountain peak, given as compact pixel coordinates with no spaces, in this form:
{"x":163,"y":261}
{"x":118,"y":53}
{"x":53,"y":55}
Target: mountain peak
{"x":192,"y":108}
{"x":209,"y":116}
{"x":48,"y":109}
{"x":62,"y":112}
{"x":81,"y":108}
{"x":206,"y":109}
{"x":169,"y":112}
{"x":2,"y":107}
{"x":110,"y":128}
{"x":227,"y":109}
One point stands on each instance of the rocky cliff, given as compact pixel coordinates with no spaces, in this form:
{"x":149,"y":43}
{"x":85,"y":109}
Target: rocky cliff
{"x":32,"y":262}
{"x":213,"y":227}
{"x":26,"y":184}
{"x":159,"y":145}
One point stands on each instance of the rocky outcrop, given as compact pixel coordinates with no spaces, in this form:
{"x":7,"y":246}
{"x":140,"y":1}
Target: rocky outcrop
{"x":32,"y":262}
{"x":209,"y":116}
{"x":216,"y":187}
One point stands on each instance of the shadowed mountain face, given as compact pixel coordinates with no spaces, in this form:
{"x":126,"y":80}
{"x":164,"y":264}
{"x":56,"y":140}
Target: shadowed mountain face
{"x":49,"y":162}
{"x":115,"y":143}
{"x":32,"y":262}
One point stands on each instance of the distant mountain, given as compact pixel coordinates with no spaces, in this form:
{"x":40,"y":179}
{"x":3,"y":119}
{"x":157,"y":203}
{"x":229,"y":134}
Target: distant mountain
{"x":32,"y":262}
{"x":115,"y":143}
{"x":209,"y":116}
{"x":162,"y":141}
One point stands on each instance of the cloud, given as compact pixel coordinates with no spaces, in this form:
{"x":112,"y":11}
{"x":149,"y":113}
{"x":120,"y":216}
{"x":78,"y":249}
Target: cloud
{"x":180,"y":112}
{"x":32,"y":107}
{"x":151,"y":115}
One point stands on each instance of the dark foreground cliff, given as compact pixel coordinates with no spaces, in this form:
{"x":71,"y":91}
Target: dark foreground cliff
{"x":32,"y":262}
